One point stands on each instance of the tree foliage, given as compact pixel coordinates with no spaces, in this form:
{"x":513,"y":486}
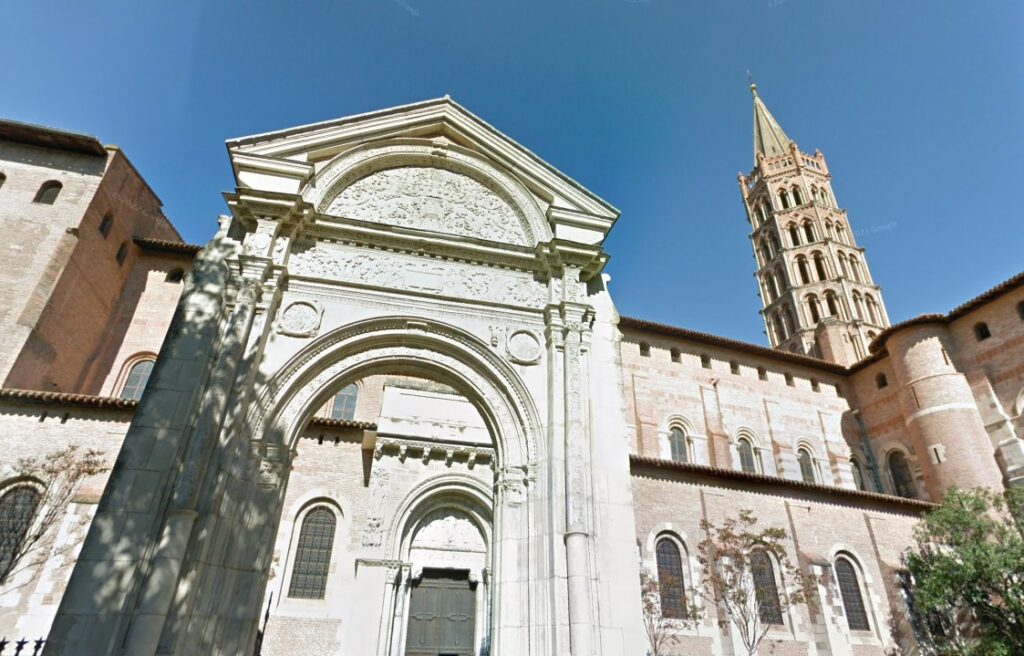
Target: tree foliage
{"x":49,"y":484}
{"x":731,"y":571}
{"x":967,"y":574}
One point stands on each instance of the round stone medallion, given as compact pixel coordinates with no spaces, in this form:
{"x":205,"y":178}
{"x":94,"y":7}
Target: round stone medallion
{"x":524,"y":347}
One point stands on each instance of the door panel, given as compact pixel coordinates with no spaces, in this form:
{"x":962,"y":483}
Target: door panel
{"x":442,"y":615}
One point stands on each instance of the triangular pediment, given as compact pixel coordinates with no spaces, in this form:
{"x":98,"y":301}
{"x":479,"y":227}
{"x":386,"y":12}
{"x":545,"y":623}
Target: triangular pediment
{"x":294,"y":159}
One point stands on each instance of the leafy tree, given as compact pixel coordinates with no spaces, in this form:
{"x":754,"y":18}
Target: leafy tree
{"x":967,"y":574}
{"x":51,"y":482}
{"x":732,"y":558}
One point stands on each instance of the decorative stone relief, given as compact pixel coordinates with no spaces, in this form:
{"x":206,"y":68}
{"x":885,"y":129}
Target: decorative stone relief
{"x":512,"y":483}
{"x":373,"y":529}
{"x":300,"y":319}
{"x":257,"y":243}
{"x":433,"y":199}
{"x":393,"y":271}
{"x":498,"y":334}
{"x":471,"y":454}
{"x":449,"y":530}
{"x":523,"y":347}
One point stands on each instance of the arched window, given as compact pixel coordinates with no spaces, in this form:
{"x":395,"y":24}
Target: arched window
{"x":853,"y":601}
{"x":781,"y":277}
{"x":809,"y":232}
{"x":830,"y":229}
{"x":813,"y":308}
{"x":768,"y":607}
{"x":344,"y":404}
{"x":784,"y":199}
{"x":858,"y":308}
{"x":671,"y":584}
{"x":841,"y":233}
{"x":794,"y":235}
{"x":825,"y":198}
{"x":769,"y":291}
{"x":106,"y":223}
{"x":766,"y":254}
{"x":135,"y":382}
{"x":872,"y":309}
{"x":761,"y":212}
{"x":748,"y":459}
{"x":774,"y":285}
{"x":774,"y":242}
{"x":780,"y":331}
{"x":819,"y":267}
{"x":902,"y":478}
{"x":855,"y":268}
{"x":679,"y":445}
{"x":858,"y":473}
{"x":787,"y":315}
{"x":313,"y":555}
{"x":48,"y":192}
{"x":832,"y":304}
{"x":981,"y":331}
{"x":17,"y":510}
{"x":805,"y":273}
{"x":806,"y":462}
{"x":798,"y":197}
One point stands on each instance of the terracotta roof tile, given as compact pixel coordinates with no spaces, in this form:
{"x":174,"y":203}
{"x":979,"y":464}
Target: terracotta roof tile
{"x":166,"y":246}
{"x":66,"y":399}
{"x":734,"y":475}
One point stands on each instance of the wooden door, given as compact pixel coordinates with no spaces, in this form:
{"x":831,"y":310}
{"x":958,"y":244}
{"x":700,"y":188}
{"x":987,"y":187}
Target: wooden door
{"x":442,"y":615}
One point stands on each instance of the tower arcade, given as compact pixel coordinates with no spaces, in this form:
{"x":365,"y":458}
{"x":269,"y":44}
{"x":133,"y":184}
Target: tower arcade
{"x":817,"y":293}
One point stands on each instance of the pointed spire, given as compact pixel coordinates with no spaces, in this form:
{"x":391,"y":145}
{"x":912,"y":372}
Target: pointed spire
{"x":769,"y":139}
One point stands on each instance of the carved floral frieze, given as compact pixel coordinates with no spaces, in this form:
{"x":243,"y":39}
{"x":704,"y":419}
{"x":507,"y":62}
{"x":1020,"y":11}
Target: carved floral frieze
{"x":410,"y":273}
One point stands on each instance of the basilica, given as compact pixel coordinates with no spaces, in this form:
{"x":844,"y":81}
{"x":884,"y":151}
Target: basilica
{"x":390,"y":408}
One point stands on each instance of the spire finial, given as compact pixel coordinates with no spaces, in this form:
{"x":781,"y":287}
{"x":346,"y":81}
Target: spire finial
{"x":753,"y":87}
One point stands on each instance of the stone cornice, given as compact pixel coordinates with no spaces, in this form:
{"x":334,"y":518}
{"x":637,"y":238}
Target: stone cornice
{"x":762,"y":483}
{"x":423,"y":243}
{"x":64,"y":399}
{"x":166,"y":246}
{"x":330,"y":137}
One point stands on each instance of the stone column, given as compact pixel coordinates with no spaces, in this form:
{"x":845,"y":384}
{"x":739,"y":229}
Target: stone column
{"x":511,"y":564}
{"x":575,"y":319}
{"x":129,"y":527}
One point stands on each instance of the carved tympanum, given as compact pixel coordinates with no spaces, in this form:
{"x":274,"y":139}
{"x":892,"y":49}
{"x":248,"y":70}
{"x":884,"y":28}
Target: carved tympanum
{"x":433,"y":199}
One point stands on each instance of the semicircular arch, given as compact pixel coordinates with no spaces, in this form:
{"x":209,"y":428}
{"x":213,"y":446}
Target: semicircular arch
{"x":412,"y":346}
{"x":362,"y":162}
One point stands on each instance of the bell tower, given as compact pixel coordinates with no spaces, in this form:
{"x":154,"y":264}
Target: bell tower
{"x":817,"y":294}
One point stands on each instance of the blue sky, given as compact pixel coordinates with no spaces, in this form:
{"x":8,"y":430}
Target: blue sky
{"x":916,"y":105}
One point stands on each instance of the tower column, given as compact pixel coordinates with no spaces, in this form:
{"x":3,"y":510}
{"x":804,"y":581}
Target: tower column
{"x":941,"y":415}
